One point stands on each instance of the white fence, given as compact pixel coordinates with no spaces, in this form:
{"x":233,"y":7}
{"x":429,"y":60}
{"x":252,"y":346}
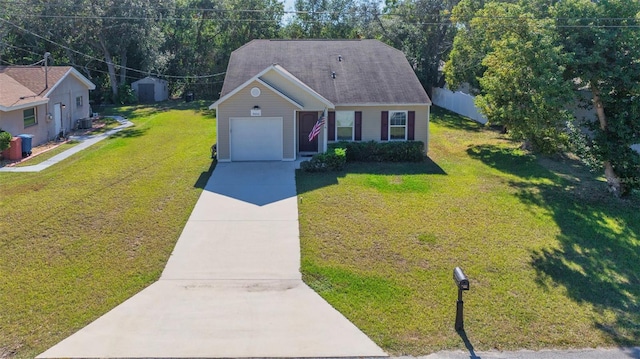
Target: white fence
{"x":458,"y":102}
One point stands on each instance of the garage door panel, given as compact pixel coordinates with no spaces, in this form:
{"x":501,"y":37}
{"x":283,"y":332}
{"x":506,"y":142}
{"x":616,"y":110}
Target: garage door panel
{"x":256,"y":139}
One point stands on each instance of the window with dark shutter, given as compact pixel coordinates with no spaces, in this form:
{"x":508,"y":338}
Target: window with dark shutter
{"x":384,"y":126}
{"x":411,"y":126}
{"x":358,"y":129}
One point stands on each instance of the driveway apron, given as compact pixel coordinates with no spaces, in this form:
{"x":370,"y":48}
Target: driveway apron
{"x":232,"y":286}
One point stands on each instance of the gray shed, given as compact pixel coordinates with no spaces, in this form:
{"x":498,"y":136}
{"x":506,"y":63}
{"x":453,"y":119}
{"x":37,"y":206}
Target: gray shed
{"x":151,"y":89}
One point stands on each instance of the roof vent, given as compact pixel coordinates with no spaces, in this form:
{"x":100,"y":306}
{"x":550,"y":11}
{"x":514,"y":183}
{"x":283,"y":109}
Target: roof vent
{"x":333,"y":74}
{"x":339,"y":58}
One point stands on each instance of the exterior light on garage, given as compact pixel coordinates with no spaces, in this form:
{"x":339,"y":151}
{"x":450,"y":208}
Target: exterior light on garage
{"x":333,"y":75}
{"x":255,"y":111}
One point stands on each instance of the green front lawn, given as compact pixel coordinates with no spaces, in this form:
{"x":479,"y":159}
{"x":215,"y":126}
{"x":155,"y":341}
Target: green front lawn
{"x":86,"y":234}
{"x":553,"y":261}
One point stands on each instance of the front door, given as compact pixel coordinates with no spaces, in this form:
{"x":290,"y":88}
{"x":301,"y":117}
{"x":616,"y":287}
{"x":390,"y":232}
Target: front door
{"x":57,"y":118}
{"x":146,"y":93}
{"x":306,"y":122}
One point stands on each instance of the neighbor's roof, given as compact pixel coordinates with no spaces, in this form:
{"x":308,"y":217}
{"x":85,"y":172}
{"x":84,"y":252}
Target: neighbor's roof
{"x":370,"y":72}
{"x":149,"y":79}
{"x":14,"y":95}
{"x":22,"y":86}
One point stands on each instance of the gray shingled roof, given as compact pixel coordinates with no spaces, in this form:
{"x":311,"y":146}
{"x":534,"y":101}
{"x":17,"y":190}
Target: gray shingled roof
{"x":370,"y":72}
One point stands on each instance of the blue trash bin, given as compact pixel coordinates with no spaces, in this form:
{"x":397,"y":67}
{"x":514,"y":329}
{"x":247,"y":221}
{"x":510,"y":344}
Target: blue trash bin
{"x":26,"y":144}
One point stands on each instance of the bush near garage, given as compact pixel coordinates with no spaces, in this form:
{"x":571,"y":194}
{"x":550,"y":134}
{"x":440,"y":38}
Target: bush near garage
{"x":372,"y":151}
{"x":332,"y":160}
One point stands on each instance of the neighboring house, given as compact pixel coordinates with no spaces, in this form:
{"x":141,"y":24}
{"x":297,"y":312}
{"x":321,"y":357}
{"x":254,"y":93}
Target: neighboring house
{"x":275,"y":91}
{"x":151,"y":89}
{"x":42,"y":102}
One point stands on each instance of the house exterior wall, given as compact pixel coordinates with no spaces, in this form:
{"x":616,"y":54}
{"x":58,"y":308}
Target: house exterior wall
{"x":13,"y":122}
{"x":292,"y":91}
{"x":371,"y":121}
{"x":66,"y":93}
{"x":271,"y":105}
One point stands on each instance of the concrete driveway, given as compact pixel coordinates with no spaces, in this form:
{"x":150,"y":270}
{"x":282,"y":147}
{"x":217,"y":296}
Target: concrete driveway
{"x":232,"y":286}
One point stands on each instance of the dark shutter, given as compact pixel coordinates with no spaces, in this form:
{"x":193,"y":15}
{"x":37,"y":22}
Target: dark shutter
{"x":384,"y":126}
{"x":411,"y":126}
{"x":358,"y":130}
{"x":332,"y":127}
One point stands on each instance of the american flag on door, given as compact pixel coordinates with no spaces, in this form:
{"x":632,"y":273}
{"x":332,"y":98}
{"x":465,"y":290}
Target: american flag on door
{"x":316,"y":129}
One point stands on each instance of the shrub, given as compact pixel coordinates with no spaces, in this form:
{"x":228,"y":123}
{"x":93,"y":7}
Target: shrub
{"x":5,"y":140}
{"x":372,"y":151}
{"x":126,"y":95}
{"x":332,"y":160}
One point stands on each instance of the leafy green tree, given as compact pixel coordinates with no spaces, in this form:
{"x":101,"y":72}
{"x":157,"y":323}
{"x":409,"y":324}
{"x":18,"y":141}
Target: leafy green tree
{"x":105,"y":35}
{"x":521,"y":84}
{"x":203,"y":33}
{"x":420,"y":28}
{"x":326,"y":19}
{"x":603,"y":40}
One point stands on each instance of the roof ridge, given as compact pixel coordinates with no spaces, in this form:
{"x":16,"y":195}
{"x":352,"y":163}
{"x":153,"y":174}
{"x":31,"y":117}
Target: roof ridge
{"x":309,"y":40}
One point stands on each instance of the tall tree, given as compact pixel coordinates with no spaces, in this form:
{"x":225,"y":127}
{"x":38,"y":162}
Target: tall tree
{"x":326,"y":19}
{"x":421,"y":28}
{"x":81,"y":31}
{"x":521,"y":84}
{"x":603,"y":39}
{"x":523,"y":67}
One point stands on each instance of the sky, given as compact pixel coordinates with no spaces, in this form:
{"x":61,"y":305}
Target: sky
{"x":288,"y":6}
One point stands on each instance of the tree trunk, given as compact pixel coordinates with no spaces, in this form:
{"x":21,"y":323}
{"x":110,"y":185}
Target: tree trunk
{"x":123,"y":68}
{"x":110,"y":67}
{"x":613,"y":180}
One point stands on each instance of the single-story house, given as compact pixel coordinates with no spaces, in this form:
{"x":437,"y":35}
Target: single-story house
{"x":42,"y":101}
{"x":151,"y":89}
{"x":275,"y":91}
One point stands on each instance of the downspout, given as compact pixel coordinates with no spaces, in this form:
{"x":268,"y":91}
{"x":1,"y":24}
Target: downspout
{"x":296,"y":138}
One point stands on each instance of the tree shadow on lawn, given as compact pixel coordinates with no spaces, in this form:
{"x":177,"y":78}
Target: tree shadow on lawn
{"x":148,"y":109}
{"x":598,"y":259}
{"x":129,"y":132}
{"x":446,"y":118}
{"x":309,"y":181}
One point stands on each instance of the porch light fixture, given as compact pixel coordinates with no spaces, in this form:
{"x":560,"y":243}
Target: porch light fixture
{"x":64,"y":106}
{"x":333,"y":74}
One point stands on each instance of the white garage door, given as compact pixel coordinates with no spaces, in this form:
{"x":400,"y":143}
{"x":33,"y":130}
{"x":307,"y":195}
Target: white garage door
{"x":256,"y":139}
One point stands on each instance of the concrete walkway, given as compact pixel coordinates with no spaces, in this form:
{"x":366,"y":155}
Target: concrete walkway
{"x":86,"y":141}
{"x":232,"y":286}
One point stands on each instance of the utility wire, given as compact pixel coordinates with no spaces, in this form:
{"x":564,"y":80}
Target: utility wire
{"x":105,"y":62}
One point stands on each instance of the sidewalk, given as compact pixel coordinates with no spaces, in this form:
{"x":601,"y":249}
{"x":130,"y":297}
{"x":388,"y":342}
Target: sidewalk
{"x":87,"y":141}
